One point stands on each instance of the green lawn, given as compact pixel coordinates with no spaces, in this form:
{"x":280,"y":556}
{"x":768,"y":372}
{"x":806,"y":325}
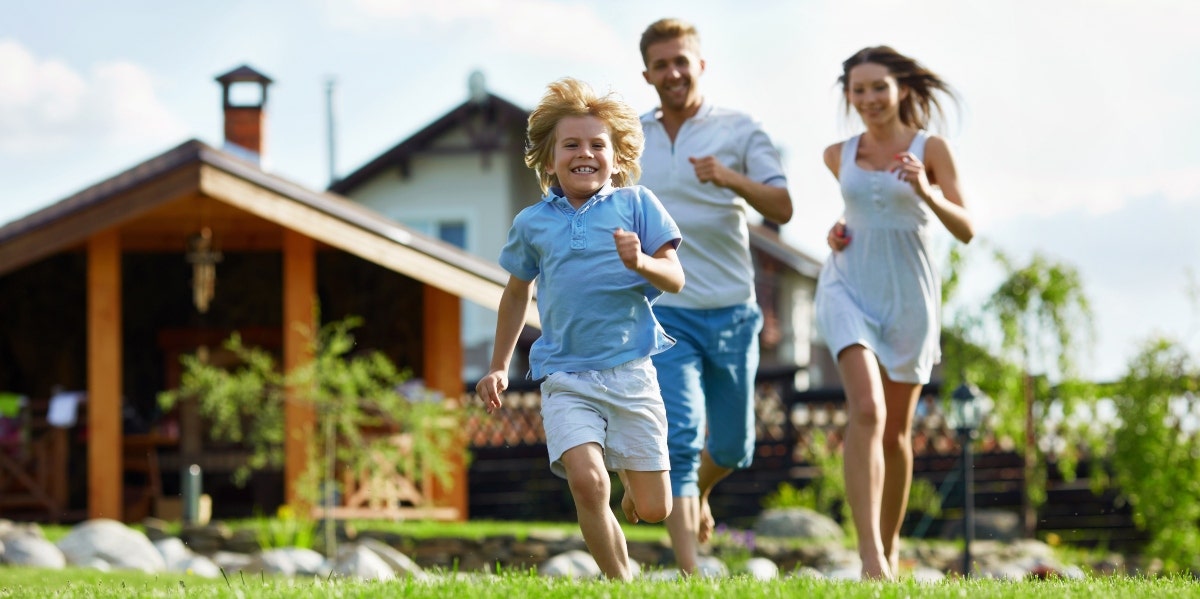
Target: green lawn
{"x":71,"y":583}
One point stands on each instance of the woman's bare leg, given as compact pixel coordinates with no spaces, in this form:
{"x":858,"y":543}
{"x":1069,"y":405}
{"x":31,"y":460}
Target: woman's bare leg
{"x":901,"y":400}
{"x":864,"y":464}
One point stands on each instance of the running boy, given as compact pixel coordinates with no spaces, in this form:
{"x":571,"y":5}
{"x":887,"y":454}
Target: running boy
{"x":602,"y":250}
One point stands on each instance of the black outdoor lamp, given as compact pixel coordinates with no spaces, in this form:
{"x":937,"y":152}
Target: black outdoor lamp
{"x":966,"y":413}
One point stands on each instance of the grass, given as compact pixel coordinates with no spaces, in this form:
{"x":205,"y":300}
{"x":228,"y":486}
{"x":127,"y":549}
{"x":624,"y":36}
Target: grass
{"x":77,"y":583}
{"x":81,"y":583}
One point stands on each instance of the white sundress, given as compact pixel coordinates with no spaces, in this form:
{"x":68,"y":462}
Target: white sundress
{"x":881,"y":291}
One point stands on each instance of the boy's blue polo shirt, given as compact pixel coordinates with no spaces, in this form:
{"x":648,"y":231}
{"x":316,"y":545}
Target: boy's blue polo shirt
{"x":595,"y":312}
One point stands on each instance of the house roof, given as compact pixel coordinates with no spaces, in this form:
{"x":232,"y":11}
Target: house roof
{"x":196,"y":170}
{"x":770,"y":243}
{"x":492,"y":107}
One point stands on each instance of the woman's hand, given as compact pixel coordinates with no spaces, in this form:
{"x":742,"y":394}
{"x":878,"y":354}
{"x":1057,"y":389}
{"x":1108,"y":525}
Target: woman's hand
{"x":837,"y":238}
{"x":910,"y":169}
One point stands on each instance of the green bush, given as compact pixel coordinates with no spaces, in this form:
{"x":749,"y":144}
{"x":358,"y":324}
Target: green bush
{"x":1156,"y":454}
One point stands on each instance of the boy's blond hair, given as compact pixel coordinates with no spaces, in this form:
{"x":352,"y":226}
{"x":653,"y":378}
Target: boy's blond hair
{"x":668,"y":29}
{"x":569,"y":97}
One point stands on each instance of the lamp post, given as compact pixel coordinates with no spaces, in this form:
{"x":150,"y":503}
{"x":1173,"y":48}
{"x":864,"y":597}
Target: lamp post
{"x":965,"y":416}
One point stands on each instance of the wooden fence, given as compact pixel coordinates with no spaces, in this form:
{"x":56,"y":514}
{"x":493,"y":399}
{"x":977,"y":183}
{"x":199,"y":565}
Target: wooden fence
{"x":510,"y":476}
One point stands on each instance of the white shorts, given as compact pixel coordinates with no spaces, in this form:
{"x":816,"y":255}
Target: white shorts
{"x":620,"y":408}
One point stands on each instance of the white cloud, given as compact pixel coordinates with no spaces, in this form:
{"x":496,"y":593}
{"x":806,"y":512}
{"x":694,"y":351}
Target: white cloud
{"x":46,"y":105}
{"x":542,"y":28}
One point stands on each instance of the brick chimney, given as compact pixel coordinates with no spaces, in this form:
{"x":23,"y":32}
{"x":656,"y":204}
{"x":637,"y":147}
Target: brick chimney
{"x":244,"y":118}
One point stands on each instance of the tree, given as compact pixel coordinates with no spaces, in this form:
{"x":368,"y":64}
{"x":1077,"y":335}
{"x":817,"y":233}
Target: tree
{"x":1043,"y":318}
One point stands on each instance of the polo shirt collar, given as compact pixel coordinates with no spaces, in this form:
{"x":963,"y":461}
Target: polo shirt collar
{"x":556,"y":193}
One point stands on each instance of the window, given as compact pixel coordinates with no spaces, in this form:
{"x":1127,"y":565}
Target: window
{"x":453,"y":232}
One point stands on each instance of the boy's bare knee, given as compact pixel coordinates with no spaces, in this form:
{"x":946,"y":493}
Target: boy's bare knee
{"x":589,"y":489}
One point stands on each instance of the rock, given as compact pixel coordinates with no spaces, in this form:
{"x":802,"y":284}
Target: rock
{"x":400,"y":564}
{"x":175,"y":553}
{"x":290,"y":561}
{"x":572,"y":564}
{"x":990,"y":525}
{"x":711,"y":567}
{"x":356,"y":561}
{"x":796,"y":523}
{"x":10,"y":529}
{"x":760,"y":568}
{"x":235,"y":562}
{"x":113,"y":542}
{"x":33,"y":551}
{"x":199,"y":565}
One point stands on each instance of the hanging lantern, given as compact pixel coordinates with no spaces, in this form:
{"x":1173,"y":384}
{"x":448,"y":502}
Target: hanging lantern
{"x":203,"y":258}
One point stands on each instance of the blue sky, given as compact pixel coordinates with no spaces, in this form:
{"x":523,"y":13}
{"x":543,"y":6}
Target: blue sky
{"x":1075,"y":137}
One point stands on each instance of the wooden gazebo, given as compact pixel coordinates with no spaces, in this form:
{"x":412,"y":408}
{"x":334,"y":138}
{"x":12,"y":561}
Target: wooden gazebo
{"x":157,"y":208}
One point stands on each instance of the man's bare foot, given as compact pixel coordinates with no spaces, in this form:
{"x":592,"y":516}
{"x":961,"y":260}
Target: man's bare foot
{"x":706,"y":523}
{"x":629,"y":508}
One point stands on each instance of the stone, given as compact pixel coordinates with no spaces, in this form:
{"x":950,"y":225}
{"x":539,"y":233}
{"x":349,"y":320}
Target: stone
{"x":174,"y":553}
{"x":356,"y":561}
{"x":572,"y":564}
{"x":760,"y":568}
{"x":401,"y":564}
{"x":122,"y":547}
{"x":797,"y":523}
{"x":33,"y":551}
{"x":199,"y":565}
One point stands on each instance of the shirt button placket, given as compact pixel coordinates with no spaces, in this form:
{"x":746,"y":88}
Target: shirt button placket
{"x":578,"y":240}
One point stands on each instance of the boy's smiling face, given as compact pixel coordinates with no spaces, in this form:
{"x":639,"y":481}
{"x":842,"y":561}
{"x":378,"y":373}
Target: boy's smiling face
{"x":583,"y":156}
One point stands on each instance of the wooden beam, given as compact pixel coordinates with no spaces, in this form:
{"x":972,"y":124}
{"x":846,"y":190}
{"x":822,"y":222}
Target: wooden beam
{"x":299,"y":326}
{"x":79,"y":226}
{"x":442,"y":348}
{"x":392,"y":254}
{"x":105,"y":486}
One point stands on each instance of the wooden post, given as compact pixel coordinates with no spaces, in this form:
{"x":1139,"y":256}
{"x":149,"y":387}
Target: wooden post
{"x":105,"y":472}
{"x":299,"y":416}
{"x":443,"y":372}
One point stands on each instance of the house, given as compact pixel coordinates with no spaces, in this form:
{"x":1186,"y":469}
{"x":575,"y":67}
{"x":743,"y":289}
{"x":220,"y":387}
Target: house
{"x":104,"y":290}
{"x":463,"y":178}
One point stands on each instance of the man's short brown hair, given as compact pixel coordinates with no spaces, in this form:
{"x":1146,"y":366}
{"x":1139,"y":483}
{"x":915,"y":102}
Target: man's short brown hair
{"x":667,"y":29}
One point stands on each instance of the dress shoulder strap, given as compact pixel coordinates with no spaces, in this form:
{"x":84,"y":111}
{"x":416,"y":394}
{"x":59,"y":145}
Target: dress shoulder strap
{"x":850,"y":151}
{"x":917,"y":147}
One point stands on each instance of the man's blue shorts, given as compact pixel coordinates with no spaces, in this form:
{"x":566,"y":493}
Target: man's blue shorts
{"x":707,"y":383}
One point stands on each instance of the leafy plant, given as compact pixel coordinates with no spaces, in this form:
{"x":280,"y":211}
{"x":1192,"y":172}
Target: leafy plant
{"x":284,"y":530}
{"x":1156,"y":451}
{"x":735,"y":547}
{"x":923,"y":497}
{"x":825,"y":492}
{"x":358,"y":399}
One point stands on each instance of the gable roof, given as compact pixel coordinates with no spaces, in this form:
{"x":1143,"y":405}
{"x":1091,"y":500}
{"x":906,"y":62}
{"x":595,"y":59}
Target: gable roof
{"x":769,"y":242}
{"x":492,"y":108}
{"x":194,"y":168}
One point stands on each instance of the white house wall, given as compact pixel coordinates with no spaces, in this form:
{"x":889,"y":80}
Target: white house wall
{"x":449,"y":187}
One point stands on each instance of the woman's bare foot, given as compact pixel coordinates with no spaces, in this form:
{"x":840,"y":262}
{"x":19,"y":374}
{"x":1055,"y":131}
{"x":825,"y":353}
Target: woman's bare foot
{"x":876,"y":569}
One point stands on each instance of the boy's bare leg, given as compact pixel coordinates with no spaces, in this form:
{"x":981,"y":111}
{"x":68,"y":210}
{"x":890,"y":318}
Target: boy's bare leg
{"x":647,"y":495}
{"x":590,"y":489}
